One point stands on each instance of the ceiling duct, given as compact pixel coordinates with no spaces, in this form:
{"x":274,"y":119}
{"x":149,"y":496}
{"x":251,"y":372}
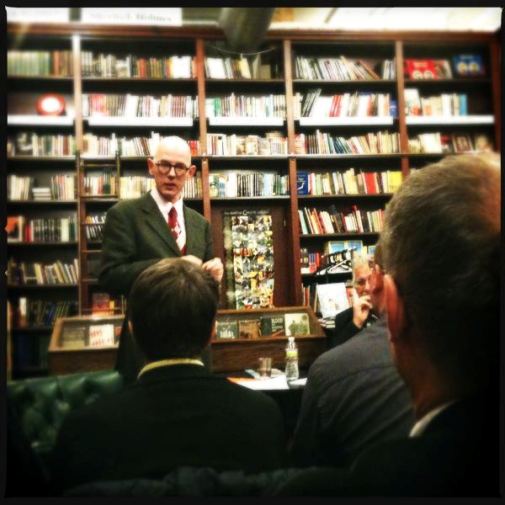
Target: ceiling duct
{"x":245,"y":28}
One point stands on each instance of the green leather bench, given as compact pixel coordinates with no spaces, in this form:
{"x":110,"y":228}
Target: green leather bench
{"x":41,"y":404}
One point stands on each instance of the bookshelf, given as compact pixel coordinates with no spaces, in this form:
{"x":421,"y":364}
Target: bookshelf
{"x":97,"y":68}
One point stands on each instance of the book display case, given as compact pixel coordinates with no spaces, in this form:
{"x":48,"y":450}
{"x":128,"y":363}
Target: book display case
{"x":317,"y":128}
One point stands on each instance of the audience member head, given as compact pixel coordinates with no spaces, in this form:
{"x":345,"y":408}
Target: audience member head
{"x":376,"y":284}
{"x":172,"y":307}
{"x":361,"y":274}
{"x":441,"y":255}
{"x":171,"y":166}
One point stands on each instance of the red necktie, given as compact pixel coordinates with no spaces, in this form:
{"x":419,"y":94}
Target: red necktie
{"x":175,"y":229}
{"x":173,"y":224}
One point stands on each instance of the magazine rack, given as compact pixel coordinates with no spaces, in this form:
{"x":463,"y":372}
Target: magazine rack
{"x":84,"y":343}
{"x":88,"y":343}
{"x":233,"y":352}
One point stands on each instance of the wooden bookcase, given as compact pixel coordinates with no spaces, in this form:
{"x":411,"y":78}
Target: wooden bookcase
{"x":281,"y":50}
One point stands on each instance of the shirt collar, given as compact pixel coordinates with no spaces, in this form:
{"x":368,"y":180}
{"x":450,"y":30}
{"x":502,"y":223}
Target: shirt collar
{"x":179,"y":206}
{"x":421,"y":425}
{"x":169,"y":362}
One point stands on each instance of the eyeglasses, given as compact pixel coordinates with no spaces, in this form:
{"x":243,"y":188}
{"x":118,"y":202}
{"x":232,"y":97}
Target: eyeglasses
{"x":165,"y":166}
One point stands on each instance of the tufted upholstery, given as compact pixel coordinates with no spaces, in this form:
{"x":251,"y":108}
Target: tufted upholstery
{"x":42,"y":403}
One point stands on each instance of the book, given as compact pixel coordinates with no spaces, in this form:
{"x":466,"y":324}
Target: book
{"x":226,"y":329}
{"x":272,"y":326}
{"x":14,"y":228}
{"x":296,"y":324}
{"x":101,"y":303}
{"x":482,"y":142}
{"x":73,"y":337}
{"x":332,"y":298}
{"x":101,"y":335}
{"x":249,"y":328}
{"x":468,"y":65}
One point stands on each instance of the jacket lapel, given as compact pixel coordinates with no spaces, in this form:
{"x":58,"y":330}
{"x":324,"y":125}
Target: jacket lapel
{"x":190,"y":237}
{"x":154,"y":219}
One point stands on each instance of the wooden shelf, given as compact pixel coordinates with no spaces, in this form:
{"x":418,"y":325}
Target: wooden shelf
{"x":50,"y":78}
{"x":349,"y":82}
{"x":339,"y":235}
{"x":246,"y":157}
{"x":143,"y":122}
{"x":253,"y":198}
{"x":32,"y":329}
{"x":43,"y":244}
{"x":147,"y":80}
{"x":40,"y":286}
{"x":42,"y":158}
{"x":346,"y":121}
{"x":471,"y":120}
{"x":331,"y":197}
{"x":34,"y":120}
{"x":245,"y":121}
{"x":42,"y":202}
{"x":348,"y":156}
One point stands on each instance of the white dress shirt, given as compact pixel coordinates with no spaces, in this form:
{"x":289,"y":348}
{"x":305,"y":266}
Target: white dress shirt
{"x":421,"y":425}
{"x":165,"y":207}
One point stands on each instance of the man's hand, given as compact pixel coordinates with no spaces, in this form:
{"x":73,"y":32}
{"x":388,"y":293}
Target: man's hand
{"x":361,"y":306}
{"x":215,"y":268}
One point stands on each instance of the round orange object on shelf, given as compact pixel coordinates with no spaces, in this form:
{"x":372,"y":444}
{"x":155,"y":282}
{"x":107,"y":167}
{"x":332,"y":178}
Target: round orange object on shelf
{"x":50,"y":105}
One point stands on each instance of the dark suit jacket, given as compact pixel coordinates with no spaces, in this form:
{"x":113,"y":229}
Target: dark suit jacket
{"x":345,"y":328}
{"x":457,"y":455}
{"x":354,"y":398}
{"x":135,"y":237}
{"x":172,"y":416}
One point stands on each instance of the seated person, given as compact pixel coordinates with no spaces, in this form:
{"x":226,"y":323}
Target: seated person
{"x":354,"y":396}
{"x":441,"y":251}
{"x":359,"y":315}
{"x":177,"y":413}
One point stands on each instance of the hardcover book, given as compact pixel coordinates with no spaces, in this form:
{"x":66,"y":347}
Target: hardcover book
{"x":296,"y":324}
{"x":332,"y":298}
{"x":302,"y":183}
{"x":226,"y":329}
{"x":249,"y":328}
{"x":272,"y":326}
{"x":73,"y":337}
{"x":468,"y":65}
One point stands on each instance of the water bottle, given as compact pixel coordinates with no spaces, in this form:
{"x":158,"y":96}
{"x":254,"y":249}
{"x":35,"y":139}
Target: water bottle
{"x":291,"y":360}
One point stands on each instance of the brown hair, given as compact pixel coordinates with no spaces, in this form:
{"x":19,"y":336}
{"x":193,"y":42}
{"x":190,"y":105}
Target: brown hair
{"x":441,"y":245}
{"x":172,"y":306}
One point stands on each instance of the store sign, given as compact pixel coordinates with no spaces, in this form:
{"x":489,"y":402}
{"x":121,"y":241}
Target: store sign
{"x":132,"y":16}
{"x":37,"y":15}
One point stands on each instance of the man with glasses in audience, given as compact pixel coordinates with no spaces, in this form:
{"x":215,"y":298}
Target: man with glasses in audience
{"x":360,"y":315}
{"x":142,"y":231}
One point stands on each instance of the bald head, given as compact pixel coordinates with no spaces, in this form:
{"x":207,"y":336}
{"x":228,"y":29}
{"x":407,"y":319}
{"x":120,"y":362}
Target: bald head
{"x":170,"y":147}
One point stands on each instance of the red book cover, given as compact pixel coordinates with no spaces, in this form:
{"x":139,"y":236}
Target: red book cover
{"x":371,"y":187}
{"x":420,"y":69}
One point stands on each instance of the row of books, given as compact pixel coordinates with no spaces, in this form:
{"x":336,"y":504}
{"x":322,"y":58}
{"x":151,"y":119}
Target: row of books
{"x":34,"y":144}
{"x":62,"y":187}
{"x":94,"y":226}
{"x":131,"y":66}
{"x":36,"y":313}
{"x":130,"y":106}
{"x":382,"y":142}
{"x":39,"y":63}
{"x":20,"y":273}
{"x":348,"y":182}
{"x":245,"y":184}
{"x":288,"y":324}
{"x":100,"y":185}
{"x":446,"y":104}
{"x":240,"y":68}
{"x":273,"y":143}
{"x":331,"y":68}
{"x":246,"y":106}
{"x":358,"y":104}
{"x":94,"y":145}
{"x":321,"y":222}
{"x":59,"y":229}
{"x":437,"y":142}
